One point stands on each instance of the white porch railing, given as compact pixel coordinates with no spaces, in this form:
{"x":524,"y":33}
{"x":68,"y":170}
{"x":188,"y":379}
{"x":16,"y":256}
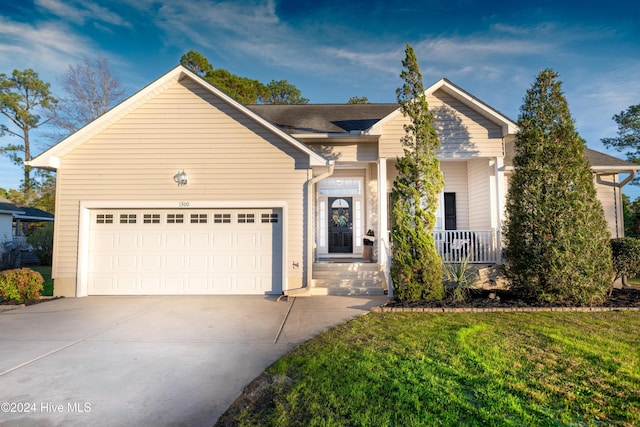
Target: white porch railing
{"x":481,"y":246}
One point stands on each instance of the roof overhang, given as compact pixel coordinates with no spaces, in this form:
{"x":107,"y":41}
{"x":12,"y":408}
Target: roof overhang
{"x":32,"y":218}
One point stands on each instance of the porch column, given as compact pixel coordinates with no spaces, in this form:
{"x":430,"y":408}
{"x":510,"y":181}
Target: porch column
{"x":501,"y":200}
{"x":383,"y":232}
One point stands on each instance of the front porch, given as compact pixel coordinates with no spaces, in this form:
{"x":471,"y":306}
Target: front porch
{"x":353,"y":201}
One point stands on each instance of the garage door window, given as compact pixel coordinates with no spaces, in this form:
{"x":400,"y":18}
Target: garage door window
{"x":151,"y":219}
{"x":244,"y":218}
{"x":269,"y":218}
{"x":222,"y":218}
{"x":128,"y":218}
{"x":104,"y":219}
{"x":175,"y":218}
{"x":198,"y":218}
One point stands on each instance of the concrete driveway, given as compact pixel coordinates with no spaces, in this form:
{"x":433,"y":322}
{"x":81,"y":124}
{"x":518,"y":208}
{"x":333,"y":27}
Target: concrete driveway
{"x":167,"y":360}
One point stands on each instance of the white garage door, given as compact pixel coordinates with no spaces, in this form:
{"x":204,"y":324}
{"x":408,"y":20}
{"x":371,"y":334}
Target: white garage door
{"x":185,"y":251}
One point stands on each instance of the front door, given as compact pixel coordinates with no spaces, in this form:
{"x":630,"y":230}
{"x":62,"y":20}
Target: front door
{"x":340,"y":225}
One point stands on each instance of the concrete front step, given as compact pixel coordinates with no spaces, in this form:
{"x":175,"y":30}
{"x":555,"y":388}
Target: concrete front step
{"x":347,"y":279}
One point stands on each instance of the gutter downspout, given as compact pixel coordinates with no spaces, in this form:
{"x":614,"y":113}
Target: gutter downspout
{"x":632,"y":174}
{"x":310,"y":186}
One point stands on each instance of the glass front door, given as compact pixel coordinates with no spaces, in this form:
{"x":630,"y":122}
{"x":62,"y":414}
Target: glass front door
{"x":340,"y":224}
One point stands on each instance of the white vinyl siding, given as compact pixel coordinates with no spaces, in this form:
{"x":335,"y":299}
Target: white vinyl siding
{"x":346,"y":151}
{"x":455,"y":181}
{"x":609,"y":197}
{"x":479,"y":171}
{"x":226,"y":156}
{"x":463,"y":132}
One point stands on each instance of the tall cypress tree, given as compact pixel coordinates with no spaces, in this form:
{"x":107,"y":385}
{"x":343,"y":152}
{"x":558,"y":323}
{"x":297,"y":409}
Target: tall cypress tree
{"x":416,"y":268}
{"x":556,"y":235}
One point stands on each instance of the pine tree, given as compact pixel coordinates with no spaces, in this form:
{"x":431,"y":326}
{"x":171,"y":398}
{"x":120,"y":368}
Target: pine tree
{"x":416,"y":267}
{"x":556,"y":236}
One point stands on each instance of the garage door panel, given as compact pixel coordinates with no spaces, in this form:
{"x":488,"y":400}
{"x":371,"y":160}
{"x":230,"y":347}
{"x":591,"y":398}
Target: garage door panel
{"x":126,"y":285}
{"x":126,"y":240}
{"x":209,"y":252}
{"x":175,"y":240}
{"x":126,"y":262}
{"x":150,"y":284}
{"x":222,"y":263}
{"x":198,"y":284}
{"x":151,"y":241}
{"x":198,"y":240}
{"x":151,"y":263}
{"x":198,"y":262}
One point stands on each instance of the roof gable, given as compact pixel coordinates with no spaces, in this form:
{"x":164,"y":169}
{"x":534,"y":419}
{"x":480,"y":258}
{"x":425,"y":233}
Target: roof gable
{"x":507,"y":125}
{"x":50,"y":159}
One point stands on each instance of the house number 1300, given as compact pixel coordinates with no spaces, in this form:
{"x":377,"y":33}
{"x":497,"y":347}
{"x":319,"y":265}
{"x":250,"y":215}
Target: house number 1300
{"x":183,"y":204}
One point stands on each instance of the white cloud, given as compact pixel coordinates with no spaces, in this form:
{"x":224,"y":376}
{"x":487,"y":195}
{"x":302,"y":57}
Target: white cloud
{"x":79,"y":12}
{"x":44,"y":47}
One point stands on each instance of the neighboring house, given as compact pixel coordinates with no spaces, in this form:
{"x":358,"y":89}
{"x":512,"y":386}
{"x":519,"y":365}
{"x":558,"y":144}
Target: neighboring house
{"x":14,"y":222}
{"x":181,"y":190}
{"x":7,"y":212}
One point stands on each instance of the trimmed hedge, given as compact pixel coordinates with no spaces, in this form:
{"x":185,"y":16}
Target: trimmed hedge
{"x":20,"y":285}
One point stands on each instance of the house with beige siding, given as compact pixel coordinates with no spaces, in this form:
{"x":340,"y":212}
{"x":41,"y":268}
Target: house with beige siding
{"x":182,"y":190}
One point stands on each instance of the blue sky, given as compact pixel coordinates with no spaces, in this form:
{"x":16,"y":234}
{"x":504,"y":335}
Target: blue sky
{"x":333,"y":50}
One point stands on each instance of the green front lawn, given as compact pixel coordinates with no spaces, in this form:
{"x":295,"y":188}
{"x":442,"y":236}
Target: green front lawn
{"x":411,"y":369}
{"x":48,"y":281}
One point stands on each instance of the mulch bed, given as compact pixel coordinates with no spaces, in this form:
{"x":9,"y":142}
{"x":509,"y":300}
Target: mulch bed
{"x":483,"y":299}
{"x":12,"y":304}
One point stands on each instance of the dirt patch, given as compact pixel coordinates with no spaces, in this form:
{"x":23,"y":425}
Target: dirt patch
{"x":258,"y":396}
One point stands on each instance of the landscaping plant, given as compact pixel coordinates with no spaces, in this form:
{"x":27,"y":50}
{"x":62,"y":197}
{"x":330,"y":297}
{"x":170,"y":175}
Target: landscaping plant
{"x":626,"y":258}
{"x":416,"y":268}
{"x":557,"y":243}
{"x":41,"y":240}
{"x":20,"y":285}
{"x":459,"y":280}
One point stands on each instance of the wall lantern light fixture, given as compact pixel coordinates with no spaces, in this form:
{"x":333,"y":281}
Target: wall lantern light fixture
{"x":180,"y":178}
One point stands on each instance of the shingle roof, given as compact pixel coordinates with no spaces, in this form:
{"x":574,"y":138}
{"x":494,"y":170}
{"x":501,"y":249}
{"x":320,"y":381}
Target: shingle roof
{"x":7,"y":206}
{"x":34,"y":214}
{"x":596,"y":159}
{"x":323,"y":118}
